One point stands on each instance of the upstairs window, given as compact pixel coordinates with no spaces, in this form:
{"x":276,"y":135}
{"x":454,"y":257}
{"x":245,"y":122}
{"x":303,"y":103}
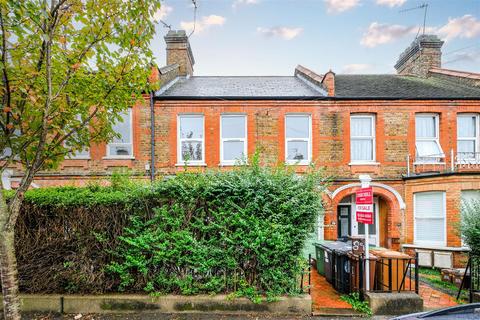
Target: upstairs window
{"x":427,"y":143}
{"x":191,"y":142}
{"x":429,"y":226}
{"x":298,"y":139}
{"x":362,"y":138}
{"x":233,"y":145}
{"x":467,"y":137}
{"x":122,"y":146}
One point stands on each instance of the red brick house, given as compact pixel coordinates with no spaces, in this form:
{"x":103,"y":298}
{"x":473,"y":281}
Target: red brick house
{"x":416,"y":133}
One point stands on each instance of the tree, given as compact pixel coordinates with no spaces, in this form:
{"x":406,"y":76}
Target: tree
{"x":68,"y":68}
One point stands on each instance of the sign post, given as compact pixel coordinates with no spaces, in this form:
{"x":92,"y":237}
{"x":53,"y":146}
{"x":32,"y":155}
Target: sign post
{"x":364,"y":209}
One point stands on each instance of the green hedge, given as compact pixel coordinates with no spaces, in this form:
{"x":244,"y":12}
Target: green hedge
{"x":239,"y":231}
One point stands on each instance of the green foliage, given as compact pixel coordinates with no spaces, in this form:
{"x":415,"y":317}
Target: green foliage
{"x":470,"y":225}
{"x":72,"y":68}
{"x":239,"y":232}
{"x":358,"y":305}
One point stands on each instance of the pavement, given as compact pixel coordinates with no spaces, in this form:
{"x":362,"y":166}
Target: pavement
{"x":187,"y":316}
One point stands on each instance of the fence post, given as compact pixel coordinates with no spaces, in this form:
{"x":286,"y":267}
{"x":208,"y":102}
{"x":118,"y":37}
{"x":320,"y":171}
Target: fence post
{"x":390,"y":282}
{"x":360,"y":276}
{"x":416,"y":272}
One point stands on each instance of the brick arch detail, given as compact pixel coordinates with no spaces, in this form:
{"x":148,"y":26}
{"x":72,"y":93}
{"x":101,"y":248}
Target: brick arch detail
{"x":392,"y":198}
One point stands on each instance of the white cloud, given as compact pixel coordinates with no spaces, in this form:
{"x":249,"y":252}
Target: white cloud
{"x":162,"y":13}
{"x":282,"y":32}
{"x":337,"y":6}
{"x":391,"y":3}
{"x":356,"y":68}
{"x":204,"y":23}
{"x":378,"y":33}
{"x":464,"y":27}
{"x":237,"y":3}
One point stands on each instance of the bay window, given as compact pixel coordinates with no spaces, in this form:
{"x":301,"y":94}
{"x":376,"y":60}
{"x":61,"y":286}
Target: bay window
{"x":233,"y":136}
{"x":362,"y":138}
{"x":298,"y":128}
{"x":122,"y":145}
{"x":467,"y":137}
{"x":191,"y":141}
{"x":427,"y":143}
{"x":430,"y":218}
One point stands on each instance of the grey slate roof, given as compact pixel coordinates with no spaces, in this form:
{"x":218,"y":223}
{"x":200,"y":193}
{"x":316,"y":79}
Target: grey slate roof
{"x":376,"y":86}
{"x":395,"y":86}
{"x":241,"y":87}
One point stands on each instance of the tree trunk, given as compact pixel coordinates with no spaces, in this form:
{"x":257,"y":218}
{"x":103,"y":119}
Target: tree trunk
{"x":8,"y":263}
{"x":8,"y":268}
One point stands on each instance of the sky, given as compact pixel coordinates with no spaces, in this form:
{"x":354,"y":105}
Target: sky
{"x":271,"y":37}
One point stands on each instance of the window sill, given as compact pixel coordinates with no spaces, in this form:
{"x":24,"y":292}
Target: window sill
{"x":364,"y":164}
{"x":298,"y":163}
{"x":190,"y":164}
{"x":435,"y":247}
{"x":427,"y":163}
{"x":231,"y":164}
{"x":119,"y":158}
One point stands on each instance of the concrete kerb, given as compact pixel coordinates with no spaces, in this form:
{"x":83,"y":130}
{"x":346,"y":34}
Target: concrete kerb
{"x":394,"y":303}
{"x":299,"y":305}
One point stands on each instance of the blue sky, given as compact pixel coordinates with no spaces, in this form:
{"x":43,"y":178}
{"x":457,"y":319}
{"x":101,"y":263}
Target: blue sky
{"x":270,"y":37}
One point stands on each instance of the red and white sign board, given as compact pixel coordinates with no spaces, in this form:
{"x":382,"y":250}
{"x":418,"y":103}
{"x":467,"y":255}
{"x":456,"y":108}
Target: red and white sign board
{"x":364,"y":205}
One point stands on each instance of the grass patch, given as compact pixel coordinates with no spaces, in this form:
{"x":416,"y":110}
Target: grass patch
{"x":433,"y":277}
{"x":358,"y":305}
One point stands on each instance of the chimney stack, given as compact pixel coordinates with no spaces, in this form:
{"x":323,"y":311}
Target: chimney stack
{"x":179,"y":51}
{"x":422,"y":55}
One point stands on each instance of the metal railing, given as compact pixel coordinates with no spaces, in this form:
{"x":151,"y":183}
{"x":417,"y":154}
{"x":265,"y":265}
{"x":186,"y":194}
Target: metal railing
{"x":392,"y":275}
{"x":471,"y":278}
{"x":440,"y":163}
{"x":387,"y":274}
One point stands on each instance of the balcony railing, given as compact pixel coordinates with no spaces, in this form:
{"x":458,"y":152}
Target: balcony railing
{"x":441,"y":163}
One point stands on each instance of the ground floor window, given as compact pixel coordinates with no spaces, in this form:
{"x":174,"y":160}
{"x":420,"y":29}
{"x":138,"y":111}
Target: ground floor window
{"x":429,"y":212}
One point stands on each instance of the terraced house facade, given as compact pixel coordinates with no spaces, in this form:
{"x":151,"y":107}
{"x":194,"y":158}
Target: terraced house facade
{"x":416,"y":133}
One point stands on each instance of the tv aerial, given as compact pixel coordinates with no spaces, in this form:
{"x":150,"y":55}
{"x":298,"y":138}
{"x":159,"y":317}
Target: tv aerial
{"x":423,"y":6}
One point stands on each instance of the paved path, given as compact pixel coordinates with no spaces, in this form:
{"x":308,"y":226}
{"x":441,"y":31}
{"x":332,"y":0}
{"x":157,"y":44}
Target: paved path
{"x":325,"y":299}
{"x":432,"y":298}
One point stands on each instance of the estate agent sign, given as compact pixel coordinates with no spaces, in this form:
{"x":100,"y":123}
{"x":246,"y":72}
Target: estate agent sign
{"x":364,"y":205}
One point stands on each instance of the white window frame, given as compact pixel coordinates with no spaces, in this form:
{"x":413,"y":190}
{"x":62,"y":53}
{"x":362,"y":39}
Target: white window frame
{"x":430,"y":243}
{"x":239,"y":139}
{"x":132,"y":156}
{"x":180,"y":161}
{"x":372,"y":137}
{"x":476,"y":138}
{"x":309,"y":140}
{"x":436,"y":139}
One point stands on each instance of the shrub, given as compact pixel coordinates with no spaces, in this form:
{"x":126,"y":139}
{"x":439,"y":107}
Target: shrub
{"x":470,"y":225}
{"x":239,"y":231}
{"x":220,"y":232}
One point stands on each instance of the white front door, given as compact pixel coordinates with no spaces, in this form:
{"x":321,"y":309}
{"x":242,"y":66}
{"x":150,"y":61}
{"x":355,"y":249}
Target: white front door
{"x":373,"y":229}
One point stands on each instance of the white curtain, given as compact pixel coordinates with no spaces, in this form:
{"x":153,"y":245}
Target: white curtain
{"x":361,"y":127}
{"x":425,"y":126}
{"x":466,"y":126}
{"x":362,"y":149}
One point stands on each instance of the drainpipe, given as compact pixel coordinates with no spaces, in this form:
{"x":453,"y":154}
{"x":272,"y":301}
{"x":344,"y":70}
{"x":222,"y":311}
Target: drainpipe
{"x":152,"y":138}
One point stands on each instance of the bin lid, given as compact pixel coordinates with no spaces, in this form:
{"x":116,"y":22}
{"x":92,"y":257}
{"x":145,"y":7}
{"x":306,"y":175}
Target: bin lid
{"x":338,"y":246}
{"x":390,"y":254}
